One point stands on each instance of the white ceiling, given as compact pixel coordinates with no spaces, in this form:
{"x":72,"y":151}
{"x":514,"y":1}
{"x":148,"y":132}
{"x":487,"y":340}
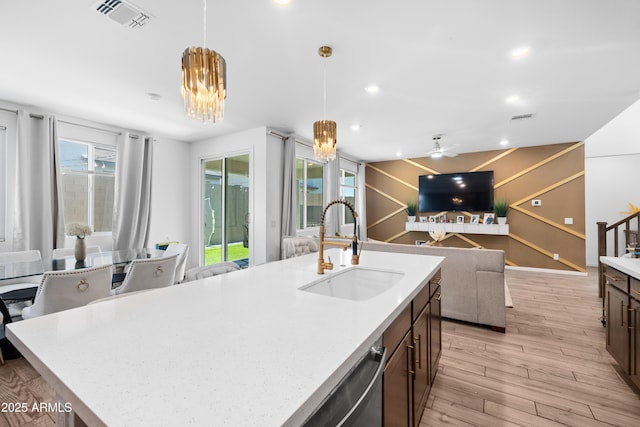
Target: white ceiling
{"x":443,"y":67}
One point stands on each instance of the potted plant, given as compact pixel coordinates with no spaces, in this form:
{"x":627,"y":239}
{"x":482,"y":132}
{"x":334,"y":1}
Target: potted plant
{"x":501,"y":207}
{"x":411,"y":210}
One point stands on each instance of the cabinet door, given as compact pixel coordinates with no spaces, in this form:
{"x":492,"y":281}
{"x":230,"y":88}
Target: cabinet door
{"x":617,"y":326}
{"x":397,"y":386}
{"x":421,"y":362}
{"x":634,"y":320}
{"x":435,"y":337}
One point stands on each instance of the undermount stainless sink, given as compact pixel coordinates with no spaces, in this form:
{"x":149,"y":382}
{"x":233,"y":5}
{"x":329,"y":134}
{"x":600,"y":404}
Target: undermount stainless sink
{"x":355,"y":283}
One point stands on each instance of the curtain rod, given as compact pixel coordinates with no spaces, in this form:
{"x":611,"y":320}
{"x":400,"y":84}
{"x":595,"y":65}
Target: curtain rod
{"x":283,"y":137}
{"x":90,"y":127}
{"x":33,"y":116}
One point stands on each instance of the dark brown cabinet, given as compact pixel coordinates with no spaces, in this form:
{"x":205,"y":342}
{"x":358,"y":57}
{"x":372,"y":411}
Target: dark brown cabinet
{"x":622,"y":304}
{"x":435,"y":331}
{"x":397,"y":386}
{"x":617,"y":327}
{"x":414,"y":342}
{"x":420,"y":368}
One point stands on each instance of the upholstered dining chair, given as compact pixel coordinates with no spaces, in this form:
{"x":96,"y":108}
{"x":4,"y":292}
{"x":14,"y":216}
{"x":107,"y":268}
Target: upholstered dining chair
{"x":181,"y":262}
{"x":12,"y":289}
{"x":62,"y":290}
{"x":63,"y":252}
{"x":148,"y":273}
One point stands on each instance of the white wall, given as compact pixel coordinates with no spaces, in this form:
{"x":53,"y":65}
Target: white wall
{"x":265,"y":183}
{"x":612,"y":157}
{"x":170,"y":194}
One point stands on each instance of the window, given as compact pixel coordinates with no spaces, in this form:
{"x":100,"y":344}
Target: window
{"x":348,"y":191}
{"x":3,"y":182}
{"x":88,"y":179}
{"x":309,"y":178}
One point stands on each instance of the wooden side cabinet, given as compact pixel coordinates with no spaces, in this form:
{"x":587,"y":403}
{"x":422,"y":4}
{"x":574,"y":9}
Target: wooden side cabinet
{"x":412,"y":366}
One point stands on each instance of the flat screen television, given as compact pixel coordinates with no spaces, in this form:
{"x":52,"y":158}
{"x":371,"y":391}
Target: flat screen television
{"x":464,"y":191}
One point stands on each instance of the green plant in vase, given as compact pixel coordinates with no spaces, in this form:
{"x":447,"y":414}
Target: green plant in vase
{"x":411,"y":210}
{"x":501,"y":208}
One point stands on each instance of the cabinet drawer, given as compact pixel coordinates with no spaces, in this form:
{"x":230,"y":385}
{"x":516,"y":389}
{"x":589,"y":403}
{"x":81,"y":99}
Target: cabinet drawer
{"x":617,"y":279}
{"x":420,"y":301}
{"x":435,"y":281}
{"x":397,"y":330}
{"x":634,"y":284}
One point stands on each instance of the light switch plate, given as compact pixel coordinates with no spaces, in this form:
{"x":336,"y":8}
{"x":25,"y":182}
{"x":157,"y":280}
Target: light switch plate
{"x":568,"y":221}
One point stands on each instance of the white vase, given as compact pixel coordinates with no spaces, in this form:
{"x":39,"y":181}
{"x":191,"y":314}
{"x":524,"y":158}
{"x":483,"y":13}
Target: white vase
{"x":502,"y":220}
{"x":411,"y":218}
{"x":80,"y":250}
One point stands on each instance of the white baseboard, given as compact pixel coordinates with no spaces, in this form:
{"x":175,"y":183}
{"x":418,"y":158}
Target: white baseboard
{"x":546,"y":270}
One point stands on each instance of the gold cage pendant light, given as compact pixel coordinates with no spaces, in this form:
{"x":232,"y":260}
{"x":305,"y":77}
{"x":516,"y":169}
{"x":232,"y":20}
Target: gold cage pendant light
{"x":204,"y":81}
{"x":324,"y":131}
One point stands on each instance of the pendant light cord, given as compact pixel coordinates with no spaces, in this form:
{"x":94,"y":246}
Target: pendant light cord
{"x":324,"y":108}
{"x":204,"y":41}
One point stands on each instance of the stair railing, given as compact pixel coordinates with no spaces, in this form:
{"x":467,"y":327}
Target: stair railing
{"x":629,"y":237}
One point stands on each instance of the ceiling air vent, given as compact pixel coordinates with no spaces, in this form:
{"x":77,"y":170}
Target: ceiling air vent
{"x":122,"y":12}
{"x":522,"y":116}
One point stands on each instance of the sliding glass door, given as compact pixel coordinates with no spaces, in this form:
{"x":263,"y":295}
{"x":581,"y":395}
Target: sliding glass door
{"x":226,"y":210}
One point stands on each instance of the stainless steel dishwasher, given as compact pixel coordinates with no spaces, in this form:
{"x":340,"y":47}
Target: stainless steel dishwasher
{"x":357,"y":400}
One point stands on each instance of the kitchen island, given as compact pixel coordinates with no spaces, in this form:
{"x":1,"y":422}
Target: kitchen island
{"x":621,"y":306}
{"x":244,"y":348}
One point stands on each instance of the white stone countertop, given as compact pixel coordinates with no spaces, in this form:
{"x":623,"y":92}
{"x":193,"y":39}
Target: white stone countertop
{"x":247,"y":348}
{"x":627,"y":265}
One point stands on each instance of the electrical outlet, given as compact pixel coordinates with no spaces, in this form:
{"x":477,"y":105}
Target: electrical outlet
{"x":556,"y":256}
{"x":568,"y":221}
{"x":536,"y":202}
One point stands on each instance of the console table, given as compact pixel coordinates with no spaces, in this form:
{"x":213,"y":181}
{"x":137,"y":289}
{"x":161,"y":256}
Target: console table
{"x":466,"y":228}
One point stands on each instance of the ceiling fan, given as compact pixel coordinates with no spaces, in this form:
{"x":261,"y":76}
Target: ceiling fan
{"x":438,"y":151}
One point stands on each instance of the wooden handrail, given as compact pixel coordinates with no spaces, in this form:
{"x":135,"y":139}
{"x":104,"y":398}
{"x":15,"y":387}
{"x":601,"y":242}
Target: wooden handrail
{"x":603,"y":229}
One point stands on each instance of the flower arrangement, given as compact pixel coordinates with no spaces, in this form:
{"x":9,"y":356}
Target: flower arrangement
{"x":79,"y":230}
{"x":437,"y":236}
{"x":632,"y":209}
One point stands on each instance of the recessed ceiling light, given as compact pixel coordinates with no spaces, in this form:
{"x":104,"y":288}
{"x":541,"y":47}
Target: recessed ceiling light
{"x":520,"y":52}
{"x":372,"y":89}
{"x":398,"y":154}
{"x":504,"y":142}
{"x":355,"y":127}
{"x":512,"y":99}
{"x":282,"y":2}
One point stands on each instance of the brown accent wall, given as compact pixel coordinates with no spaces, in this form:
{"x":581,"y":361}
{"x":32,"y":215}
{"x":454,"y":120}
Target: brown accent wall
{"x":553,"y":174}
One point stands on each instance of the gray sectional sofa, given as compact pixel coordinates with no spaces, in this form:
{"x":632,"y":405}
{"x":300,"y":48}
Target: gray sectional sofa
{"x":472,"y":281}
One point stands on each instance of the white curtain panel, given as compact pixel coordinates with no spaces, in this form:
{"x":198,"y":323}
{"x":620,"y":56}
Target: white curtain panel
{"x":38,"y":218}
{"x":132,"y":207}
{"x":288,"y":226}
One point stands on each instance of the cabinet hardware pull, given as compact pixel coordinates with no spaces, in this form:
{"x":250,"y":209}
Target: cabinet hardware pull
{"x":414,"y":358}
{"x":614,"y":278}
{"x":629,"y":324}
{"x":439,"y":297}
{"x":419,"y":340}
{"x":621,"y":313}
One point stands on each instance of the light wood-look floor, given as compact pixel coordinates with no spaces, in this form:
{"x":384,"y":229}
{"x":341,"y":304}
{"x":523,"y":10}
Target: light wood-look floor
{"x":550,"y":368}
